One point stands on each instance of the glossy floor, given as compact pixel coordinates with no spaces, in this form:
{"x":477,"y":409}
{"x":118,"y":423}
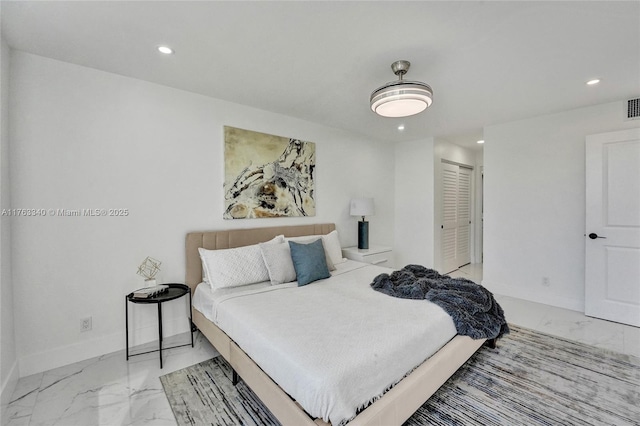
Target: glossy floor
{"x":108,"y":390}
{"x":562,"y":322}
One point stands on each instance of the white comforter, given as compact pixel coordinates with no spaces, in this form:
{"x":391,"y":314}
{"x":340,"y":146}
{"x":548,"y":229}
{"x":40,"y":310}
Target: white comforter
{"x":333,"y":345}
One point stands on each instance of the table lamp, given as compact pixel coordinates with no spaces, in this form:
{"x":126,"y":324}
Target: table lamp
{"x":362,"y":207}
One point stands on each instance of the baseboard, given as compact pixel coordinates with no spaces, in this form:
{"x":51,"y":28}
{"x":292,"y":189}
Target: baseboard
{"x":539,"y":297}
{"x":87,"y":349}
{"x":8,"y":386}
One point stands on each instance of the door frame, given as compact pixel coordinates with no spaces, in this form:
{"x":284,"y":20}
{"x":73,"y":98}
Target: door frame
{"x":438,"y":186}
{"x":599,"y":303}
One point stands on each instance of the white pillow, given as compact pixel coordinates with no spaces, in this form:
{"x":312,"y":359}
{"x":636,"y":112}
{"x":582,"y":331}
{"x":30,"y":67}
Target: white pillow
{"x":331,"y":244}
{"x":236,"y":266}
{"x":306,"y":239}
{"x":277,"y":258}
{"x":332,"y":247}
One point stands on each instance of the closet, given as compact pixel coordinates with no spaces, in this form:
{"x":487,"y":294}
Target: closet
{"x":456,"y":216}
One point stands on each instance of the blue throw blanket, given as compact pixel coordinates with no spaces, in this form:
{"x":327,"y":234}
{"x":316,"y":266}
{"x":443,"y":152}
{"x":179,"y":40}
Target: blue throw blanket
{"x":472,"y":307}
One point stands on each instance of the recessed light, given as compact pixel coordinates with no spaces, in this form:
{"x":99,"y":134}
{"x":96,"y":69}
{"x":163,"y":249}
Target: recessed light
{"x":401,"y":127}
{"x":165,"y":49}
{"x":594,"y":81}
{"x":480,"y":141}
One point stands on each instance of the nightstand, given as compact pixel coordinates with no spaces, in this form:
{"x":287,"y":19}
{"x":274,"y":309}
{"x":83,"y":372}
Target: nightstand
{"x":175,"y":291}
{"x":375,"y":255}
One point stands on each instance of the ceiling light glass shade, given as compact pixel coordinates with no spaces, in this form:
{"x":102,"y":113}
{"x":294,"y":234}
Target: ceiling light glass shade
{"x":401,"y":98}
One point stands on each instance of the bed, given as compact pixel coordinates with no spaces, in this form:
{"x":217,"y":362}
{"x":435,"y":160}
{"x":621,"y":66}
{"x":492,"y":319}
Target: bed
{"x":392,"y":408}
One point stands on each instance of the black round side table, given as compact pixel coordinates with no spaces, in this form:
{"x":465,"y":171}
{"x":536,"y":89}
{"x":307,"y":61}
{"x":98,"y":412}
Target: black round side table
{"x":175,"y":291}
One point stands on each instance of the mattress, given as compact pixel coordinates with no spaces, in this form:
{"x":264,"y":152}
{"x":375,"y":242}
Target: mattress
{"x":334,"y":345}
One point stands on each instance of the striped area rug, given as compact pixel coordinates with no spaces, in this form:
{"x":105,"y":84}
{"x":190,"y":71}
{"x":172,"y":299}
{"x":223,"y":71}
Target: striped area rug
{"x":530,"y":379}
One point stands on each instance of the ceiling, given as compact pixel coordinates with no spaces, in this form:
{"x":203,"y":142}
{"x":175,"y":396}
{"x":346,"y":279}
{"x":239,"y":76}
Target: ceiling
{"x":487,"y":62}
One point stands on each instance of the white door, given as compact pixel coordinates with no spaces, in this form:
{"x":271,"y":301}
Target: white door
{"x":456,"y":216}
{"x":612,"y":240}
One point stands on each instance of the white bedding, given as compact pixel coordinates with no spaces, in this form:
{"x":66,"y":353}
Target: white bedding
{"x":333,"y":345}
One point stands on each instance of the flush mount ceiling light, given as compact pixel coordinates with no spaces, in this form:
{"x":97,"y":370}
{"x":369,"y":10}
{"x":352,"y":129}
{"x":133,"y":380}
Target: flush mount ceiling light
{"x":165,"y":49}
{"x":593,"y":82}
{"x":401,"y":98}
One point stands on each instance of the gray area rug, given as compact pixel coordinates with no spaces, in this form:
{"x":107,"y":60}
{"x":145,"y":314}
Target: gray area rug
{"x":530,"y":379}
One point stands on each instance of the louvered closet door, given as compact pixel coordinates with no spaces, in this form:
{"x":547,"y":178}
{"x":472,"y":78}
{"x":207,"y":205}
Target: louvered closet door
{"x":449,"y":217}
{"x":456,"y":215}
{"x":463,"y":252}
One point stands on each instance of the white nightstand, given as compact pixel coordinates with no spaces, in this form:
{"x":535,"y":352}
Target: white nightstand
{"x":376,"y":255}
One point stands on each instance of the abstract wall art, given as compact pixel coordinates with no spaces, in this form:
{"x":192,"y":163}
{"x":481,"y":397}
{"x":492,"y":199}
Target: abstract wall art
{"x":267,"y":175}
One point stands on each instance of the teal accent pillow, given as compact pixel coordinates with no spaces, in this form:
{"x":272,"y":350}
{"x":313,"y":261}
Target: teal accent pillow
{"x":309,"y":261}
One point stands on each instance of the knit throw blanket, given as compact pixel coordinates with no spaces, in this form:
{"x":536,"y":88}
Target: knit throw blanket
{"x":472,"y":307}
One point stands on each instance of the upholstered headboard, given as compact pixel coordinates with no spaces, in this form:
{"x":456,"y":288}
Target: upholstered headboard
{"x":231,"y":238}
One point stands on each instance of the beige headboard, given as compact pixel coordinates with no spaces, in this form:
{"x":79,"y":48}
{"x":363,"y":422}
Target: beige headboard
{"x":231,"y":238}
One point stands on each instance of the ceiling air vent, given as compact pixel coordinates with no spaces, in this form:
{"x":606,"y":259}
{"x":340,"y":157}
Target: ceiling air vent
{"x":633,"y":109}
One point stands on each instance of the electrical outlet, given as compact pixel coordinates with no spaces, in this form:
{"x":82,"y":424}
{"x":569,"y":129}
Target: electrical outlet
{"x":546,"y":282}
{"x":85,"y":324}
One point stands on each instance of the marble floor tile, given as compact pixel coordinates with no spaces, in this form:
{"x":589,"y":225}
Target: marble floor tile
{"x":23,"y":400}
{"x":631,"y":340}
{"x":562,"y":322}
{"x":576,"y":326}
{"x":472,"y":271}
{"x":106,"y":390}
{"x":522,"y":312}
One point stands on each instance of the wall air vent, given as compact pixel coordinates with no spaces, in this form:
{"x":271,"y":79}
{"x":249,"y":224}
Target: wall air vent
{"x":633,"y":109}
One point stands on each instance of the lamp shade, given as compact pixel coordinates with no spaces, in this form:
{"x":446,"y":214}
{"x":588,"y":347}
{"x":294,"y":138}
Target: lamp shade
{"x":362,"y":207}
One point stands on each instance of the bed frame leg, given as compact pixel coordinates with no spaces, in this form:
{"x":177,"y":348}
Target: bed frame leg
{"x":235,"y":379}
{"x":492,"y":343}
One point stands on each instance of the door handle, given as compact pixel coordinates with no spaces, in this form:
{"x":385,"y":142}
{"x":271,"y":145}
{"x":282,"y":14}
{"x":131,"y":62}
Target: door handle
{"x":593,"y":236}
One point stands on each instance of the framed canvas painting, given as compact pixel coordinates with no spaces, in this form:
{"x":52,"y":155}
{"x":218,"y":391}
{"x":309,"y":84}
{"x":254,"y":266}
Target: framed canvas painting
{"x":267,"y":175}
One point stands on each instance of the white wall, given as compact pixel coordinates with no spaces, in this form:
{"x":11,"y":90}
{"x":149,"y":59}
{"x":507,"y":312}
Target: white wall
{"x":454,"y":154}
{"x":418,"y":198}
{"x":8,"y":360}
{"x":414,"y":203}
{"x":83,"y":138}
{"x":534,"y":203}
